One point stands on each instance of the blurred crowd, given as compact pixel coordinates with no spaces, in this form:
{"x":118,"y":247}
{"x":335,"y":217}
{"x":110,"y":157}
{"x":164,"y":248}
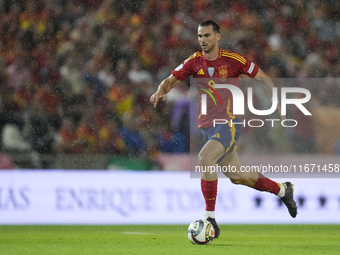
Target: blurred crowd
{"x":76,"y":75}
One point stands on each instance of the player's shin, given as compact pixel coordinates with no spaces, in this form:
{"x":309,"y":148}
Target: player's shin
{"x":209,"y":190}
{"x":265,"y":184}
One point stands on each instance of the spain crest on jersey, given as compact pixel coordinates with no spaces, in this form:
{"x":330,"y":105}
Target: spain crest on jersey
{"x":223,"y":72}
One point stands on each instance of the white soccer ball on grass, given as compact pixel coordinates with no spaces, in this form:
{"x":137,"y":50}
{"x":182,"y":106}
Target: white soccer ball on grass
{"x":201,"y":232}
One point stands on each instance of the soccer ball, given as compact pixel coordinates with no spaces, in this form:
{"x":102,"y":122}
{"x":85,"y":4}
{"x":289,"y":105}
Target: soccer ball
{"x":201,"y":232}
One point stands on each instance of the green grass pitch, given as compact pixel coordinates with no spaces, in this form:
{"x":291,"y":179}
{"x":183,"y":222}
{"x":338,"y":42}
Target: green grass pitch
{"x":168,"y":239}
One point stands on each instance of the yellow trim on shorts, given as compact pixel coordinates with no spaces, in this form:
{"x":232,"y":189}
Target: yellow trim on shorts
{"x":233,"y":132}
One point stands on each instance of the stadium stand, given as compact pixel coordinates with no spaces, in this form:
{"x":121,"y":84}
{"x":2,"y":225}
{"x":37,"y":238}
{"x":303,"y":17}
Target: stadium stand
{"x":76,"y":76}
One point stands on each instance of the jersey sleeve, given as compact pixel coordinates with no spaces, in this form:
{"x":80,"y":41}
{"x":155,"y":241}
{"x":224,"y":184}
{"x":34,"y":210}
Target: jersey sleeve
{"x":243,"y":65}
{"x":247,"y":67}
{"x":184,"y":70}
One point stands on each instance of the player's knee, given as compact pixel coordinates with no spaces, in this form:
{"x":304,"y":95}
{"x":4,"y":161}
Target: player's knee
{"x":242,"y":181}
{"x":236,"y":180}
{"x":239,"y":180}
{"x":206,"y":159}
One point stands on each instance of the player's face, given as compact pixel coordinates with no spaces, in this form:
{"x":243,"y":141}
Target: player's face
{"x":207,"y":38}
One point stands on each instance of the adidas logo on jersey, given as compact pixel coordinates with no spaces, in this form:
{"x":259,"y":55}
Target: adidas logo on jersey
{"x":201,"y":72}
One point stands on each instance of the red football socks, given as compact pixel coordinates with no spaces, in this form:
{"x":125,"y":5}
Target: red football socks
{"x":265,"y":184}
{"x":209,"y":190}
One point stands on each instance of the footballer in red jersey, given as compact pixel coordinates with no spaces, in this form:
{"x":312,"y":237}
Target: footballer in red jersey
{"x":216,"y":64}
{"x":227,"y":68}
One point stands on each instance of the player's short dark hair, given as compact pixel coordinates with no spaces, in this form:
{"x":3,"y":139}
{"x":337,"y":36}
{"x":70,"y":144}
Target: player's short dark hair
{"x":216,"y":28}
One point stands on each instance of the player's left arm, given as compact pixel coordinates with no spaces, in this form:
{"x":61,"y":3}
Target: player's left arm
{"x":268,"y":86}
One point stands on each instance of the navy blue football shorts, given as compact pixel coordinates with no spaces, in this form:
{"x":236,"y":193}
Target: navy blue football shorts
{"x":225,"y":134}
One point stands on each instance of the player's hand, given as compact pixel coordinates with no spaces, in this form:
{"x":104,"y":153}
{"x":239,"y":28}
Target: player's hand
{"x":155,"y":97}
{"x":278,"y":108}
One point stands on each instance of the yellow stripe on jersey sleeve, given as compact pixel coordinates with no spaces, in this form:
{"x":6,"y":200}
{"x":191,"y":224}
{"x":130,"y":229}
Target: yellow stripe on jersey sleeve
{"x":233,"y":53}
{"x":235,"y":56}
{"x":196,"y":54}
{"x":236,"y":59}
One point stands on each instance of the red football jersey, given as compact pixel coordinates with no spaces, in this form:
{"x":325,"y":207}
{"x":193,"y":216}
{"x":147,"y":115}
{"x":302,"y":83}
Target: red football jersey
{"x":225,"y":69}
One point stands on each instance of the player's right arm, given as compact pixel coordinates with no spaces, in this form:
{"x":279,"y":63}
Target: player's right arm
{"x":178,"y":75}
{"x":163,"y":88}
